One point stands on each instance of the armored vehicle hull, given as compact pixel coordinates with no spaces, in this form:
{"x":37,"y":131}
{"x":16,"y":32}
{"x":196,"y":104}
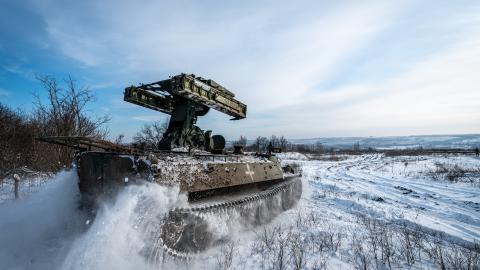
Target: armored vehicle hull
{"x":254,"y":189}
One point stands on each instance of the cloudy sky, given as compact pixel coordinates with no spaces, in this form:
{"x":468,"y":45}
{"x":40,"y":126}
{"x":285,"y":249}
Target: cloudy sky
{"x":304,"y":68}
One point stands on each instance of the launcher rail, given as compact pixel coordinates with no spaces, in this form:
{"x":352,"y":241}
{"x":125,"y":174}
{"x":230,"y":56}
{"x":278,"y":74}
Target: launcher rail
{"x":90,"y":144}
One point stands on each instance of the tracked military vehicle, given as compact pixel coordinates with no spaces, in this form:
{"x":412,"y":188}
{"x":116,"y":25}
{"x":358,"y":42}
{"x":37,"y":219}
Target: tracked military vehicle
{"x":253,"y":186}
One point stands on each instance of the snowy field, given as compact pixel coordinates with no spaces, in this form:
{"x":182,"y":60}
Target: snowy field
{"x":377,"y":212}
{"x":356,"y":212}
{"x":400,"y":189}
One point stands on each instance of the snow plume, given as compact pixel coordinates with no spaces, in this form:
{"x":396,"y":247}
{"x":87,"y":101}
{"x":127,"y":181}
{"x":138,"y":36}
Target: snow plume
{"x":35,"y":232}
{"x":47,"y":230}
{"x":117,"y":238}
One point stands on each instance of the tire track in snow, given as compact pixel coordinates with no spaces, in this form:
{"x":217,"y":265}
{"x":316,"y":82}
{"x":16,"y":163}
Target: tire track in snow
{"x":356,"y":182}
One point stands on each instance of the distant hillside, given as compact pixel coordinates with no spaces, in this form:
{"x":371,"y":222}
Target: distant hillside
{"x":398,"y":142}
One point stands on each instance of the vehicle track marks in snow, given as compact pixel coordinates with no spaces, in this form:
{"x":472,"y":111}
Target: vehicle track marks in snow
{"x":397,"y":187}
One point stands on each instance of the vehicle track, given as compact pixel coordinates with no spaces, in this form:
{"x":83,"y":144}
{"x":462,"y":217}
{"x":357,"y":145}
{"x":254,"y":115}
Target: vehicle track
{"x":278,"y":198}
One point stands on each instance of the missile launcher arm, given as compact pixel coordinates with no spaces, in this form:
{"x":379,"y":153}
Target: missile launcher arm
{"x":161,"y":95}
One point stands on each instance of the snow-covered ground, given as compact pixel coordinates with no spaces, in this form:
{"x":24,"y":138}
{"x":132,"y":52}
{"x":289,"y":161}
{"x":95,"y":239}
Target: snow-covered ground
{"x":356,"y":212}
{"x":399,"y":188}
{"x":356,"y":208}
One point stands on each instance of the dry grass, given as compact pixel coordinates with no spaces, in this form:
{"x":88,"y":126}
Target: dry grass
{"x":372,"y":244}
{"x":454,"y":173}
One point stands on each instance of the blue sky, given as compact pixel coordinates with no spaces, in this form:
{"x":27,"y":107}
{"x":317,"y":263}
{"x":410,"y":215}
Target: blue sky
{"x":304,"y":68}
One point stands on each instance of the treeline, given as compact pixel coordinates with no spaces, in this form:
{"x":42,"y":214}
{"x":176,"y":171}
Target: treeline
{"x":63,"y":113}
{"x":260,"y":144}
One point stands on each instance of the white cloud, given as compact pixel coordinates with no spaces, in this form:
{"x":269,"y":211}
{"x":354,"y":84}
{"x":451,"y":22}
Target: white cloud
{"x":269,"y":59}
{"x":18,"y":69}
{"x":279,"y":58}
{"x":437,"y":95}
{"x":149,"y":118}
{"x":4,"y":93}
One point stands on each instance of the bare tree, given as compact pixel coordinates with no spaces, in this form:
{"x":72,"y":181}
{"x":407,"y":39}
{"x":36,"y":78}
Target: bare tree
{"x":356,"y":147}
{"x":241,"y":141}
{"x":261,"y":144}
{"x":119,"y":139}
{"x":274,"y":141}
{"x":151,"y":134}
{"x":283,"y":143}
{"x":318,"y":147}
{"x":65,"y":114}
{"x":62,"y":113}
{"x":15,"y":140}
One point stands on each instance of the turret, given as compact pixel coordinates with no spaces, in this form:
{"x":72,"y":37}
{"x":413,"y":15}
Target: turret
{"x":185,"y":97}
